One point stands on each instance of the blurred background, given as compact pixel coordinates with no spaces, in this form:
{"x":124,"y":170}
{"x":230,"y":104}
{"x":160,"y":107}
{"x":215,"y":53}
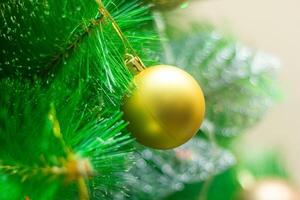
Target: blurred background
{"x":272,"y":26}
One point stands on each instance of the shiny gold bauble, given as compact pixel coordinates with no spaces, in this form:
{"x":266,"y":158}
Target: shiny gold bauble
{"x":166,"y":108}
{"x":271,"y":189}
{"x":166,"y":4}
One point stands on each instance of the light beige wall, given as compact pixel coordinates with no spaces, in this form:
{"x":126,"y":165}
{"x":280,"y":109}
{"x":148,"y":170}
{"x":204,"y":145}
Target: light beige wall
{"x":273,"y":26}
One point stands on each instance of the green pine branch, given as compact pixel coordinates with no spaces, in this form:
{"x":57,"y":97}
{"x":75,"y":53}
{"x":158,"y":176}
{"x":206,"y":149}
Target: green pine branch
{"x":35,"y":149}
{"x":162,"y":173}
{"x":238,"y":81}
{"x":63,"y":78}
{"x":67,"y":41}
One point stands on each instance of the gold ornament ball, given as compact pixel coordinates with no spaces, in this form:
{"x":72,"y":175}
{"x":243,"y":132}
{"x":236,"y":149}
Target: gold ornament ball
{"x":166,"y":108}
{"x":271,"y":189}
{"x":166,"y":4}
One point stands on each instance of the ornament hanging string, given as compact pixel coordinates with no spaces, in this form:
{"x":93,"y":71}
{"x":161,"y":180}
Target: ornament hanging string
{"x":131,"y":57}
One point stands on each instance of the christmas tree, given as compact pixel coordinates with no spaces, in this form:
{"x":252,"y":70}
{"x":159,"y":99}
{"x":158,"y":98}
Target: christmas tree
{"x":66,"y":68}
